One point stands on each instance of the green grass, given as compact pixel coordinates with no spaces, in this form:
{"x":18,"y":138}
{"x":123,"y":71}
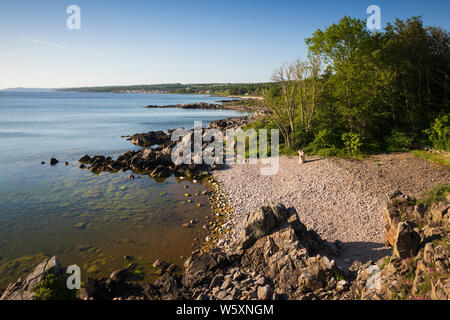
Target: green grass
{"x":438,"y":158}
{"x":434,"y":195}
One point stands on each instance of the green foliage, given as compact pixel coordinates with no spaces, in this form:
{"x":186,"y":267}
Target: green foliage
{"x":219,"y":89}
{"x":375,"y":82}
{"x":338,"y":274}
{"x":54,"y":288}
{"x":439,"y":133}
{"x":352,"y":143}
{"x":321,"y":140}
{"x":331,"y":152}
{"x":400,"y":141}
{"x":435,"y":195}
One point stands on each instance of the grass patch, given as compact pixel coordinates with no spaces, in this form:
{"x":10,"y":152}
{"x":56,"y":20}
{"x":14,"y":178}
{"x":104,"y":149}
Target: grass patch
{"x":434,"y":195}
{"x":437,"y":158}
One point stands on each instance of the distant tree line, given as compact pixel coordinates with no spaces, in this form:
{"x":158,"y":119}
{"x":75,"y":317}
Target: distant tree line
{"x":221,"y":89}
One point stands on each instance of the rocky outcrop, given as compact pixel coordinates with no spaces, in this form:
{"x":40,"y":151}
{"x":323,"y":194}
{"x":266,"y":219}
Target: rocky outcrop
{"x":155,"y":157}
{"x":196,"y":105}
{"x":23,"y":289}
{"x":155,"y":161}
{"x":222,"y":105}
{"x":407,"y":240}
{"x":420,"y":265}
{"x":276,"y":257}
{"x":231,"y":123}
{"x":150,"y":138}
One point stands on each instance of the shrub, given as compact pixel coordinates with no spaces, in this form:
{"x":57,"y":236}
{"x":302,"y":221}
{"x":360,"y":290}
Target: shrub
{"x":321,"y":140}
{"x":400,"y":141}
{"x":54,"y":288}
{"x":352,"y":142}
{"x":439,"y":133}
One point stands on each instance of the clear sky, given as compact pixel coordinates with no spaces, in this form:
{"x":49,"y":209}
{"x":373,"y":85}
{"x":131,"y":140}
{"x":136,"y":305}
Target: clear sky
{"x":166,"y":41}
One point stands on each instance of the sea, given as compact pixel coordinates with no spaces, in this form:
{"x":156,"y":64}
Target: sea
{"x":100,"y":222}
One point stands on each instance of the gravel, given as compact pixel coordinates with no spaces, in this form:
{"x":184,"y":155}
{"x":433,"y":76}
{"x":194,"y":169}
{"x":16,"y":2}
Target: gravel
{"x":340,"y":199}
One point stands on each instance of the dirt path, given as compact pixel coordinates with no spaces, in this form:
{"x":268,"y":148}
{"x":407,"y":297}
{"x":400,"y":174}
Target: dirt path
{"x":340,"y":199}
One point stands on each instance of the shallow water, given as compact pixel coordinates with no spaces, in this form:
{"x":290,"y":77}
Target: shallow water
{"x":83,"y":218}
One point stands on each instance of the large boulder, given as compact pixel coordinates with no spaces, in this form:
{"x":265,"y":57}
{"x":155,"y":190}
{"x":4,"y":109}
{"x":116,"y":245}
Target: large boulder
{"x":406,"y":241}
{"x":261,"y":222}
{"x":150,"y":138}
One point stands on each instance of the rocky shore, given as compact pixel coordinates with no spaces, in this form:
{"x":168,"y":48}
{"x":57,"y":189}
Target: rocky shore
{"x":357,"y":247}
{"x":277,"y":257}
{"x":221,"y":105}
{"x":155,"y":159}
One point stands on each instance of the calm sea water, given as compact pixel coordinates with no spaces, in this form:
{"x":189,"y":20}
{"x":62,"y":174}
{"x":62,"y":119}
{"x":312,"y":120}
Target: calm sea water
{"x":83,"y":218}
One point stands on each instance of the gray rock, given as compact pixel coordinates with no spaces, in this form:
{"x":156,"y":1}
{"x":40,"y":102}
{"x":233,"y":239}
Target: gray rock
{"x":215,"y":290}
{"x":238,"y":276}
{"x":258,"y":224}
{"x":160,"y":264}
{"x":236,"y":293}
{"x":341,"y":285}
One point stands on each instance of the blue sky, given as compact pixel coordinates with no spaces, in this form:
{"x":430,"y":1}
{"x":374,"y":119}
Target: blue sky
{"x":166,"y":41}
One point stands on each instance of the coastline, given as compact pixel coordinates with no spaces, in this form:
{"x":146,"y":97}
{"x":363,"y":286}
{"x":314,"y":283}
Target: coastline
{"x":231,"y":200}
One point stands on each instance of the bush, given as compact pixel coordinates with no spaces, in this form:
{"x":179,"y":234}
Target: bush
{"x":54,"y":288}
{"x":321,"y":140}
{"x":352,"y":142}
{"x":400,"y":141}
{"x":439,"y":133}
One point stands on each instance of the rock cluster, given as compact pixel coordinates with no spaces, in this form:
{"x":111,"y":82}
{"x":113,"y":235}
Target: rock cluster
{"x":420,"y":265}
{"x":196,"y":105}
{"x":221,"y":105}
{"x":276,"y":257}
{"x":231,"y":123}
{"x":156,"y":160}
